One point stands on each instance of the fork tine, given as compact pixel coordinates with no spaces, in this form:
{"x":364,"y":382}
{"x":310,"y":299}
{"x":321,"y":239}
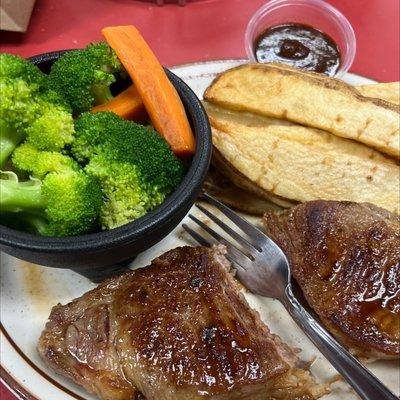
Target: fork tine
{"x":240,"y":239}
{"x":198,"y":238}
{"x":236,"y":255}
{"x":254,"y":233}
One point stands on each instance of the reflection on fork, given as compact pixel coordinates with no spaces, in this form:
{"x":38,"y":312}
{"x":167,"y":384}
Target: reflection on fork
{"x":264,"y":269}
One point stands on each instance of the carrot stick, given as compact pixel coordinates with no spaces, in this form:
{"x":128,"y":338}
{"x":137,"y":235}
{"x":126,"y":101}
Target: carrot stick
{"x":127,"y":104}
{"x":159,"y":96}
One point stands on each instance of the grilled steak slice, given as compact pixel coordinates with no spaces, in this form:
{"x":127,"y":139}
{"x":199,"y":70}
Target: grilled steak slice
{"x":346,"y":258}
{"x":178,"y":329}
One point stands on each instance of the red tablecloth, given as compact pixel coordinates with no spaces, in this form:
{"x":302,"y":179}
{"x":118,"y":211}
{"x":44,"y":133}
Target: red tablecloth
{"x":202,"y":30}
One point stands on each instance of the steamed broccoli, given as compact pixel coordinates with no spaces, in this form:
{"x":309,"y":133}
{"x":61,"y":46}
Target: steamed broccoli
{"x":52,"y":130}
{"x":59,"y":199}
{"x":62,"y":204}
{"x":17,"y":111}
{"x":12,"y":67}
{"x":27,"y":158}
{"x":29,"y":109}
{"x":92,"y":133}
{"x":84,"y":76}
{"x":133,"y":164}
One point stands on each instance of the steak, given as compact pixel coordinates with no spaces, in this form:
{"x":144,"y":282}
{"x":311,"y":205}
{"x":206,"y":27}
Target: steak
{"x":345,"y":256}
{"x":177,"y":329}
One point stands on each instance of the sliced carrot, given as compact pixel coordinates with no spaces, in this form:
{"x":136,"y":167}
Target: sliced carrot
{"x":127,"y":104}
{"x":159,"y":96}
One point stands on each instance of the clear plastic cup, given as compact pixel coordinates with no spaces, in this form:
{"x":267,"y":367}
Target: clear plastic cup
{"x":316,"y":13}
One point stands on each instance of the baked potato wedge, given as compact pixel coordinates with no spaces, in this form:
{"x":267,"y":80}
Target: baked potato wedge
{"x":389,"y":92}
{"x":309,"y":99}
{"x":289,"y":163}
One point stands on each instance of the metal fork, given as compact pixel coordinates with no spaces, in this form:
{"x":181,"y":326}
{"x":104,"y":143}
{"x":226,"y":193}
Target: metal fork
{"x":264,"y":269}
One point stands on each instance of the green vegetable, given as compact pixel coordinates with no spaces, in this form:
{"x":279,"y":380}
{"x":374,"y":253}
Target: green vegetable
{"x":17,"y":111}
{"x":62,"y":204}
{"x":12,"y":67}
{"x":84,"y":76}
{"x":29,"y":109}
{"x":28,"y":158}
{"x":52,"y":131}
{"x":99,"y":170}
{"x":133,"y":164}
{"x":92,"y":134}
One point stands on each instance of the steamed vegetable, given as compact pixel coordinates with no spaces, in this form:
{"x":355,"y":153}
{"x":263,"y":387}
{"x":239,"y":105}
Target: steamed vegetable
{"x":84,"y":76}
{"x":128,"y":105}
{"x":68,"y":177}
{"x":12,"y":67}
{"x":29,"y":109}
{"x":27,"y":158}
{"x":159,"y":96}
{"x":133,"y":164}
{"x":62,"y":204}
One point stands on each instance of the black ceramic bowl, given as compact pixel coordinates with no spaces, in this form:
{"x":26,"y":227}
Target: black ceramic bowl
{"x":99,"y":254}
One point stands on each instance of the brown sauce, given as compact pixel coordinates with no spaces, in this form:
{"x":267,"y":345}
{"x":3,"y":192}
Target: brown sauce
{"x":300,"y":46}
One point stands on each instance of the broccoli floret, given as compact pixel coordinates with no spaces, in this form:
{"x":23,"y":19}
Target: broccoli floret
{"x":93,"y":129}
{"x":106,"y":57}
{"x":28,"y":108}
{"x":18,"y":110}
{"x":52,"y":131}
{"x":12,"y":67}
{"x":28,"y":158}
{"x":133,"y":164}
{"x":50,"y":97}
{"x":24,"y":114}
{"x":64,"y":203}
{"x":84,"y":76}
{"x":18,"y":107}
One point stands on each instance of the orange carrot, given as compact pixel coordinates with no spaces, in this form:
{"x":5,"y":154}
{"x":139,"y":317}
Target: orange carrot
{"x":159,"y":96}
{"x":127,"y":104}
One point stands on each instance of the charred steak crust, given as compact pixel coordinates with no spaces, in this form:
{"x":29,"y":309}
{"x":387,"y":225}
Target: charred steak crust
{"x":346,"y":258}
{"x":178,"y":329}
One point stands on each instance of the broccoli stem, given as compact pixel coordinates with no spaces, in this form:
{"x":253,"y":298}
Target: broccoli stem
{"x":9,"y":140}
{"x":102,"y":94}
{"x":21,"y":196}
{"x":29,"y":222}
{"x":35,"y":223}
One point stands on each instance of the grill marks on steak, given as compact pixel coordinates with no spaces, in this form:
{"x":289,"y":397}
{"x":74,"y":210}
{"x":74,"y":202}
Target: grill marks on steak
{"x":178,"y":329}
{"x":346,"y":258}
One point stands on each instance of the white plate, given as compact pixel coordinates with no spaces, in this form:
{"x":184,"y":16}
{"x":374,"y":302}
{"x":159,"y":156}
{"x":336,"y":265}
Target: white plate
{"x":28,"y":293}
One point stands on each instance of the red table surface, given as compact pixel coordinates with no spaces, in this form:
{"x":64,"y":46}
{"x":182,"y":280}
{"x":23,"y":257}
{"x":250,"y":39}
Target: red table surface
{"x":202,"y":30}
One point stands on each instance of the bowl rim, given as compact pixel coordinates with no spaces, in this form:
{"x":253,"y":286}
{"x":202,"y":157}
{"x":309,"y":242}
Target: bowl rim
{"x":164,"y":212}
{"x":340,"y":19}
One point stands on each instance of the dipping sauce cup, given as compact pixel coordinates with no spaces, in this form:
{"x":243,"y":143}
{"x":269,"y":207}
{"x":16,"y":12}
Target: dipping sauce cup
{"x":315,"y":13}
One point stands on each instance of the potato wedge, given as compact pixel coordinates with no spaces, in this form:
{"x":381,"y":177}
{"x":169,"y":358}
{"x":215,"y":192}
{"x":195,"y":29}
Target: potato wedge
{"x":291,"y":163}
{"x":309,"y":99}
{"x":221,"y":187}
{"x":385,"y":91}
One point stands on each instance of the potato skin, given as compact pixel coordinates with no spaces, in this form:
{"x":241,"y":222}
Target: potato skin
{"x":389,"y":91}
{"x":288,"y":163}
{"x":309,"y":99}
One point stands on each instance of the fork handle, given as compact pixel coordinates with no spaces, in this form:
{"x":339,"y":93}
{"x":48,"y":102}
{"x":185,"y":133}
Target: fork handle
{"x":367,"y":386}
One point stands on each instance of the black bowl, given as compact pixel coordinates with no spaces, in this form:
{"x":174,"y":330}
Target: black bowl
{"x":99,"y":254}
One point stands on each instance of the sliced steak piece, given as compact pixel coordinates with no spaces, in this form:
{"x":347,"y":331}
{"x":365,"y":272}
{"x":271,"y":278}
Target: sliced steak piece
{"x":346,"y":258}
{"x":178,"y":329}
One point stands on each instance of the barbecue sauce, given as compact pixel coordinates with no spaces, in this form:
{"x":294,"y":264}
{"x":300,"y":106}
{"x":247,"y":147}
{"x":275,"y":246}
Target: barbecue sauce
{"x":300,"y":46}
